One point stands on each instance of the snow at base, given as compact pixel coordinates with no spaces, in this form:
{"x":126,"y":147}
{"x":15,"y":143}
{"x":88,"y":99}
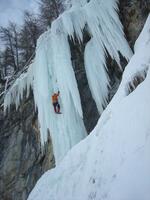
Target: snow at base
{"x":52,"y":69}
{"x":113,"y":162}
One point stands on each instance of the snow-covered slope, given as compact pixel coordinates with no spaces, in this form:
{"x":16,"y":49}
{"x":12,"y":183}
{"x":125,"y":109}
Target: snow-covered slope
{"x":113,"y":162}
{"x":52,"y":69}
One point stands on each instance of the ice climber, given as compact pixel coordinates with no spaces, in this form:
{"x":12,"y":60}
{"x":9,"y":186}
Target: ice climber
{"x":55,"y":102}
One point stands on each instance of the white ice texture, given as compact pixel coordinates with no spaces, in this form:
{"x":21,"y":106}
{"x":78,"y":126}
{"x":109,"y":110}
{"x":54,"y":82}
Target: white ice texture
{"x":113,"y":162}
{"x":52,"y":69}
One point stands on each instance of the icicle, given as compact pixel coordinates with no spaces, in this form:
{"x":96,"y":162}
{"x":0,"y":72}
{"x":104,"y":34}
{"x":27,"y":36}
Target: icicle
{"x":15,"y":93}
{"x":96,"y":73}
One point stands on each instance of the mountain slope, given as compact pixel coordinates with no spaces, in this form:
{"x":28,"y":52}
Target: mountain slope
{"x":112,"y":163}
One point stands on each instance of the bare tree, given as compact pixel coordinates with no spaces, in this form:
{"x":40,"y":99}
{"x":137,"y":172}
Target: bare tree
{"x":50,"y":10}
{"x":9,"y":36}
{"x":29,"y":34}
{"x":19,"y":44}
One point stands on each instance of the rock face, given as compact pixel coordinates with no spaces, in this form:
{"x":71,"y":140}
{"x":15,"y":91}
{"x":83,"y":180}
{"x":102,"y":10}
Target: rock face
{"x":21,"y":160}
{"x":133,"y":16}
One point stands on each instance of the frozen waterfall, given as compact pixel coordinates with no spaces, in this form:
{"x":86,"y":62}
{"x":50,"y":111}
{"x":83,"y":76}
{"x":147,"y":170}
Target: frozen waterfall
{"x":52,"y":69}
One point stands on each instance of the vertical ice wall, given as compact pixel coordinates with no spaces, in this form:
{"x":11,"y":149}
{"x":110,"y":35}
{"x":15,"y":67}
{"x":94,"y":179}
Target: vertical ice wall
{"x":52,"y":72}
{"x":52,"y":69}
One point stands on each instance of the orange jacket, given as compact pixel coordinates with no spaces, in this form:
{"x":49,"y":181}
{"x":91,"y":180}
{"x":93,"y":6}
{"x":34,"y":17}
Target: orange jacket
{"x":55,"y":98}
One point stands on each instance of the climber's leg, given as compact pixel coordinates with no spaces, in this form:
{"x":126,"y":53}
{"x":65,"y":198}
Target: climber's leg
{"x":58,"y":108}
{"x":55,"y":107}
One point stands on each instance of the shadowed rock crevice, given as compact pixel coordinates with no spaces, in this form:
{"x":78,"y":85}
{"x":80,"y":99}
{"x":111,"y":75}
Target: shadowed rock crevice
{"x":90,"y":111}
{"x":136,"y":80}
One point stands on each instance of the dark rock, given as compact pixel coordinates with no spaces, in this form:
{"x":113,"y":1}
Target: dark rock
{"x":21,"y":159}
{"x":133,"y":16}
{"x":90,"y":112}
{"x":136,"y":80}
